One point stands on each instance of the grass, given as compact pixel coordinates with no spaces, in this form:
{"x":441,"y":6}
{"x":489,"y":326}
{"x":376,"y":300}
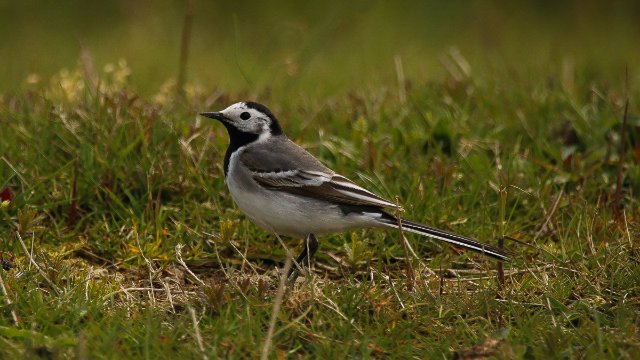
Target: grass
{"x":120,"y":240}
{"x":105,"y":185}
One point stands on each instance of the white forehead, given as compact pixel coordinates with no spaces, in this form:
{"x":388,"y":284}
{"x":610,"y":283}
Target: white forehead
{"x":238,"y":108}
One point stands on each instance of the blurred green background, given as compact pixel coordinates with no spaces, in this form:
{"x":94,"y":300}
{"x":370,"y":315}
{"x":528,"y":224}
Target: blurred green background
{"x":294,"y":46}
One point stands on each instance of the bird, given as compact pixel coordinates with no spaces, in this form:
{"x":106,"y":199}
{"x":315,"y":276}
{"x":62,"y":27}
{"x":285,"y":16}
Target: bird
{"x":284,"y":189}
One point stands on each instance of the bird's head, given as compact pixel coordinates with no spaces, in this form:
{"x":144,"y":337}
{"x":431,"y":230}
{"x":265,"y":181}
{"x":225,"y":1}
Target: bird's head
{"x":248,"y":118}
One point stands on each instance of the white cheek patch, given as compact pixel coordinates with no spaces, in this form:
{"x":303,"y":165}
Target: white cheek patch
{"x":254,"y":125}
{"x":265,"y":125}
{"x":264,"y":136}
{"x":250,"y":126}
{"x":246,"y":127}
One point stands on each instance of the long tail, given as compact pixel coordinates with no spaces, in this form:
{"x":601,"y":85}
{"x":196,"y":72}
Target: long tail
{"x":462,"y":241}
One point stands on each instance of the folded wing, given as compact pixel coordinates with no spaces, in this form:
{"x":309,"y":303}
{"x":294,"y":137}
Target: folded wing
{"x":285,"y":166}
{"x":321,"y":186}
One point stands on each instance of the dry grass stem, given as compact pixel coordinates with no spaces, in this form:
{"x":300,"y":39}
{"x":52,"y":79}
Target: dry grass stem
{"x":549,"y":217}
{"x":289,"y":253}
{"x":402,"y":85}
{"x":196,"y":332}
{"x":226,"y":273}
{"x":7,"y":300}
{"x":184,"y":265}
{"x":32,"y":261}
{"x":406,"y":247}
{"x":126,"y":291}
{"x":244,"y":259}
{"x":152,"y":271}
{"x":277,"y":302}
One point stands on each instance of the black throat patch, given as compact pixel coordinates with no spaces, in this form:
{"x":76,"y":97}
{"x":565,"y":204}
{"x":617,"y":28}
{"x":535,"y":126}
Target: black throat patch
{"x":237,"y":139}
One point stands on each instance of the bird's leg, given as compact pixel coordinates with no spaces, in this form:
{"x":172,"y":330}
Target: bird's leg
{"x":310,"y":247}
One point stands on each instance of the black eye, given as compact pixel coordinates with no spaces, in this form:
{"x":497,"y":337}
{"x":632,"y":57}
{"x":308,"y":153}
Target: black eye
{"x":245,"y":116}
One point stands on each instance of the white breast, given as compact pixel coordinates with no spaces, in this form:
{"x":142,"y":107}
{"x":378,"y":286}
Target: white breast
{"x":285,"y":213}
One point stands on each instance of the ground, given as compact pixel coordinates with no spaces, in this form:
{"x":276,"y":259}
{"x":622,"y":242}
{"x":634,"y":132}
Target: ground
{"x":119,"y":239}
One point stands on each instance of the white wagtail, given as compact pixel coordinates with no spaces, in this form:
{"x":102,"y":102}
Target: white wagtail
{"x":286,"y":190}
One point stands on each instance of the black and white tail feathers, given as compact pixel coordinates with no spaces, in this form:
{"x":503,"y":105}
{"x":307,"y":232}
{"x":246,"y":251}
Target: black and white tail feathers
{"x":458,"y":240}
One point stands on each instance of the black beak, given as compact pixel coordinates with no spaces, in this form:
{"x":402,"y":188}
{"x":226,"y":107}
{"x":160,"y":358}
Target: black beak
{"x":214,"y":115}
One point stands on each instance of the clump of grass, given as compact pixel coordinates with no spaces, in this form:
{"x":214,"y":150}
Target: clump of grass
{"x":106,"y":185}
